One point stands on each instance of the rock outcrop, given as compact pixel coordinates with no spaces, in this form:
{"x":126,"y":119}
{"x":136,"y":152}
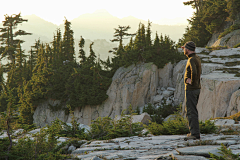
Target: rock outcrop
{"x":216,"y":91}
{"x":135,"y":85}
{"x":234,"y":104}
{"x":230,"y":40}
{"x":141,"y":84}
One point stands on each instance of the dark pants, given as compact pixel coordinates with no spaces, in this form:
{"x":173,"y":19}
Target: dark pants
{"x":191,"y":110}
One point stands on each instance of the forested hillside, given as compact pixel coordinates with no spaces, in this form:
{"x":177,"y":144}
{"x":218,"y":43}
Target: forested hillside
{"x":210,"y":17}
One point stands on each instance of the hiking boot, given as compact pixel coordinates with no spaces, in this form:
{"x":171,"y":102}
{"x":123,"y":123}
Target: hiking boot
{"x":191,"y":137}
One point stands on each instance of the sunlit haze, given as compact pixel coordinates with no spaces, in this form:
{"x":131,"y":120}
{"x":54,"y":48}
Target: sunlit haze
{"x":170,"y":12}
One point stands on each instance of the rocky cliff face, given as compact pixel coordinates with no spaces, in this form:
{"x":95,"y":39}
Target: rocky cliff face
{"x":141,"y":84}
{"x":135,"y":85}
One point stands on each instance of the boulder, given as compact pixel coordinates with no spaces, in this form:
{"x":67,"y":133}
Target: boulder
{"x":157,"y":99}
{"x":143,"y":118}
{"x":234,"y":104}
{"x":171,"y":89}
{"x":167,"y":93}
{"x":216,"y":91}
{"x":170,"y":117}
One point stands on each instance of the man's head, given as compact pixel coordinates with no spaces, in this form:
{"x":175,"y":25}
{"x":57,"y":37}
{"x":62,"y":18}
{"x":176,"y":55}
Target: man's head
{"x":189,"y":47}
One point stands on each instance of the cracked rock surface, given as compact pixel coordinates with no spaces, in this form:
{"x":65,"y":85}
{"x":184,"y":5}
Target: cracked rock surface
{"x":158,"y":147}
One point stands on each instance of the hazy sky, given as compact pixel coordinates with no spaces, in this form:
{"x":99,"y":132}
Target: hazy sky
{"x":160,"y":11}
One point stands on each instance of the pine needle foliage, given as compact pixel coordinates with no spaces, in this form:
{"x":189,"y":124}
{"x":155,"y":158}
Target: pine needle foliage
{"x":226,"y":154}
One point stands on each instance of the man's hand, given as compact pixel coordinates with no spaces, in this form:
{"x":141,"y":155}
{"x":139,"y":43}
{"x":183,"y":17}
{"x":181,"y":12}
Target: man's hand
{"x":188,"y":81}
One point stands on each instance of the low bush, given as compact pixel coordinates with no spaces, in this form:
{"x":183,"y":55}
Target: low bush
{"x":41,"y":146}
{"x":72,"y":130}
{"x":107,"y":128}
{"x":178,"y":125}
{"x":158,"y":114}
{"x":225,"y":154}
{"x":207,"y":127}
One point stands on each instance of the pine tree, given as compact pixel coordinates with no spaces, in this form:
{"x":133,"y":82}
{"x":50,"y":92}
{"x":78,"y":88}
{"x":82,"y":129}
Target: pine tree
{"x":148,"y":36}
{"x":57,"y":49}
{"x":19,"y":70}
{"x":91,"y":59}
{"x":82,"y":54}
{"x":68,"y":42}
{"x":8,"y":36}
{"x":196,"y":4}
{"x":119,"y":35}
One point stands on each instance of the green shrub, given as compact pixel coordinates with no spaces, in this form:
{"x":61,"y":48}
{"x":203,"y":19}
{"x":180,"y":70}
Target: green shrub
{"x":43,"y":146}
{"x":72,"y":131}
{"x":107,"y":128}
{"x":178,"y":125}
{"x":160,"y":113}
{"x":207,"y":127}
{"x":155,"y":128}
{"x":225,"y":154}
{"x":175,"y":125}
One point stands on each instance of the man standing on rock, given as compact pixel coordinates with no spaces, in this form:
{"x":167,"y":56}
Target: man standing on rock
{"x":192,"y":89}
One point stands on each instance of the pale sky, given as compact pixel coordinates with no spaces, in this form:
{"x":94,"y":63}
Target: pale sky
{"x":158,"y":11}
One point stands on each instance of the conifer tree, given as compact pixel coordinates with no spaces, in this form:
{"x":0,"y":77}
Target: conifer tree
{"x":91,"y":59}
{"x":19,"y":70}
{"x":49,"y":54}
{"x":196,"y":4}
{"x":120,"y":34}
{"x":148,"y":35}
{"x":57,"y":49}
{"x":82,"y":54}
{"x":8,"y":36}
{"x":140,"y":43}
{"x":156,"y":44}
{"x":68,"y":42}
{"x":20,"y":56}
